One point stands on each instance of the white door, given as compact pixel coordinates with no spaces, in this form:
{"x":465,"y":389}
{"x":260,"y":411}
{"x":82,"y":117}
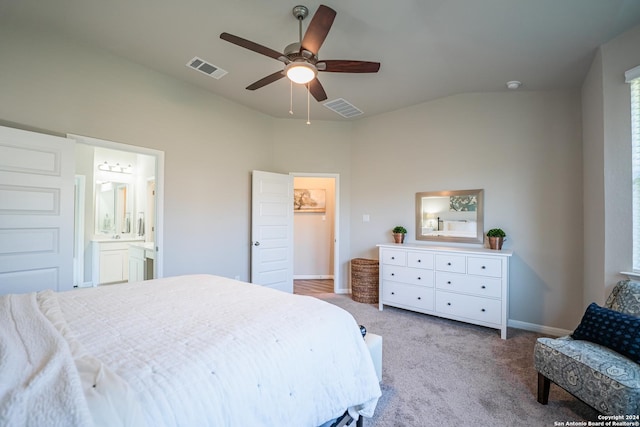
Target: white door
{"x":272,"y":230}
{"x":36,"y":211}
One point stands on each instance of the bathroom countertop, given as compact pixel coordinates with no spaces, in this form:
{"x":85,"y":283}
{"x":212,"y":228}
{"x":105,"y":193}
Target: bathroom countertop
{"x":149,"y":248}
{"x":122,"y":239}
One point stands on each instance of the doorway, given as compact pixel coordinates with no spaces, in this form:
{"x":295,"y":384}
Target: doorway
{"x":144,"y":222}
{"x":315,"y":231}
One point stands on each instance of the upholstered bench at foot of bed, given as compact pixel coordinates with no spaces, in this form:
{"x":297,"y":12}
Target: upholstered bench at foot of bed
{"x":600,"y":377}
{"x":374,"y":343}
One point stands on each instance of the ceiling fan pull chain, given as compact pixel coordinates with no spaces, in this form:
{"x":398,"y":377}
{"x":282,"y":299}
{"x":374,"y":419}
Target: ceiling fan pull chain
{"x":308,"y":104}
{"x":291,"y":97}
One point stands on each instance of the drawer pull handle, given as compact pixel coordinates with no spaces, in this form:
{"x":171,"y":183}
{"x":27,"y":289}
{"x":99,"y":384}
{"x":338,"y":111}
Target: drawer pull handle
{"x":449,"y":282}
{"x":483,"y":287}
{"x":419,"y":297}
{"x":448,"y":263}
{"x":483,"y":267}
{"x":448,"y":303}
{"x":393,"y":257}
{"x":393,"y":293}
{"x":419,"y":278}
{"x":419,"y":260}
{"x":393,"y":274}
{"x":483,"y":310}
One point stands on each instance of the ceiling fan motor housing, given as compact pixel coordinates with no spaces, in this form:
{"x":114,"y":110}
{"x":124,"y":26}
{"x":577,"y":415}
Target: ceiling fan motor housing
{"x":300,"y":12}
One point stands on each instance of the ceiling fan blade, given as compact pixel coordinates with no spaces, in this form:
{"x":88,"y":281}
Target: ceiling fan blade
{"x":318,"y":29}
{"x":317,"y":90}
{"x":266,"y":80}
{"x":255,"y":47}
{"x":348,"y":66}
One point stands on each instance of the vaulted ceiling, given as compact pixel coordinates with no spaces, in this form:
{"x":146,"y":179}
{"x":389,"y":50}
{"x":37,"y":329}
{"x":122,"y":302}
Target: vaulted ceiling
{"x":427,"y":48}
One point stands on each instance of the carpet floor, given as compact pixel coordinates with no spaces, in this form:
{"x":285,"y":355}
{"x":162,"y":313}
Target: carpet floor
{"x":439,"y":372}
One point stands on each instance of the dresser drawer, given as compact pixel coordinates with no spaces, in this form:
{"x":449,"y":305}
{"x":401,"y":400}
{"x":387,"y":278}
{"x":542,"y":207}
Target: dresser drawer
{"x":420,"y":260}
{"x":452,"y":263}
{"x":399,"y":293}
{"x":415,"y":276}
{"x":393,"y":257}
{"x":470,"y":307}
{"x":482,"y":286}
{"x":490,"y":267}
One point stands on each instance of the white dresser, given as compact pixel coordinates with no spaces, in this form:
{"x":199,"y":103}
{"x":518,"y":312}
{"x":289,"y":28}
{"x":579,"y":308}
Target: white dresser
{"x":466,"y":284}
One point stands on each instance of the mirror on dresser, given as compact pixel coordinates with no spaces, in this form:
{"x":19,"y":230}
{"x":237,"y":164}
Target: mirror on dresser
{"x":450,"y":216}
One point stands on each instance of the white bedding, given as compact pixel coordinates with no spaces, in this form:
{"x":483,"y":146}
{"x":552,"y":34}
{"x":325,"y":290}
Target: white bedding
{"x":209,"y":351}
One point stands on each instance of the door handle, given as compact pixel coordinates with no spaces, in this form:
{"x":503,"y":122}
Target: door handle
{"x":256,"y":244}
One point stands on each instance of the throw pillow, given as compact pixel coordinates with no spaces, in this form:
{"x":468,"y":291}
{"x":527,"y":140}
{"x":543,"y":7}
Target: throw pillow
{"x":617,"y":331}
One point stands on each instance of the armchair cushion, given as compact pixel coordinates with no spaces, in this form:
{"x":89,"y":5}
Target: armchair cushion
{"x":613,"y":329}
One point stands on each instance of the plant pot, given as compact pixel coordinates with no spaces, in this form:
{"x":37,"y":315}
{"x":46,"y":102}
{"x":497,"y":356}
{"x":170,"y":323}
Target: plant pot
{"x":398,"y":237}
{"x":496,"y":242}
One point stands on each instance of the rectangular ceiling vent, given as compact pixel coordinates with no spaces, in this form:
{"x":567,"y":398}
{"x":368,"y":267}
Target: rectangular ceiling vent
{"x":343,"y":107}
{"x":206,"y":68}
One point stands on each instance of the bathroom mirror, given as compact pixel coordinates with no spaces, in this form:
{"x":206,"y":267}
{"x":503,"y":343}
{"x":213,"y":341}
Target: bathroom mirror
{"x":113,"y":208}
{"x":450,"y":216}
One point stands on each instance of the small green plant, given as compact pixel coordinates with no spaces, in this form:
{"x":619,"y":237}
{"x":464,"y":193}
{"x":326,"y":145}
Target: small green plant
{"x":496,"y":232}
{"x":399,"y":230}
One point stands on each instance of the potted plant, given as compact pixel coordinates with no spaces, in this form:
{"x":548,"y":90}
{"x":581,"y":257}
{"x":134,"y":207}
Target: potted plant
{"x":399,"y":233}
{"x":496,"y":238}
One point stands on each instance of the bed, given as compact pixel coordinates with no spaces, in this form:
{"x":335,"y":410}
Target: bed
{"x":195,"y":350}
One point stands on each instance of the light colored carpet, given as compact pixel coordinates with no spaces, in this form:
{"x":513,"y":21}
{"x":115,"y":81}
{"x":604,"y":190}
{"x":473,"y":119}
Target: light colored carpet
{"x":439,"y":372}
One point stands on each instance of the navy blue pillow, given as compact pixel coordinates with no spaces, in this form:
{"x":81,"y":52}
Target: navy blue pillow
{"x":618,"y":331}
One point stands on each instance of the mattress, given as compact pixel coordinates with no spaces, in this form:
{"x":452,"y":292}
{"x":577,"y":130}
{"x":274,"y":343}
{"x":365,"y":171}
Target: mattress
{"x":196,"y":350}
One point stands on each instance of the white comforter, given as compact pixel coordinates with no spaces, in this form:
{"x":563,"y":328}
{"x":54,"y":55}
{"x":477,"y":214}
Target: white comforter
{"x":209,"y":351}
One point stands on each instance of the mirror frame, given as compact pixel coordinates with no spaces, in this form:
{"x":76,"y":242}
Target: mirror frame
{"x":479,"y":216}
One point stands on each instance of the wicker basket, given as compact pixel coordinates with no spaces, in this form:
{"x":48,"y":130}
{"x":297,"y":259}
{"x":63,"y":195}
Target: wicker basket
{"x":364,"y":280}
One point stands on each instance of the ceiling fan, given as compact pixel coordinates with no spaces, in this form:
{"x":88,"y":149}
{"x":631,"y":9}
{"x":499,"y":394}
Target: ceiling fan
{"x":301,"y":59}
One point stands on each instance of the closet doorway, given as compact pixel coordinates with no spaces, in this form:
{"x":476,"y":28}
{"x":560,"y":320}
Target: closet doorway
{"x":316,"y":229}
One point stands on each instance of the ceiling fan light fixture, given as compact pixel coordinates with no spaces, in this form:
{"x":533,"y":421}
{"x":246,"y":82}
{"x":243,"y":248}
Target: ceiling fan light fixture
{"x":301,"y":72}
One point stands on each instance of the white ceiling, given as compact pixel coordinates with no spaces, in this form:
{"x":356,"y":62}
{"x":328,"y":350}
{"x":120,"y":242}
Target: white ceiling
{"x":427,"y":48}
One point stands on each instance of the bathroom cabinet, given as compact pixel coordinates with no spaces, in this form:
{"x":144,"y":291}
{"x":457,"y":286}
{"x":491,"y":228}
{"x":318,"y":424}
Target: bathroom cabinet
{"x":465,"y":284}
{"x":110,"y":261}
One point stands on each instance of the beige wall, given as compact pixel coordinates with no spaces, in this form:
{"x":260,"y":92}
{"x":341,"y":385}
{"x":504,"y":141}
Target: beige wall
{"x":58,"y":85}
{"x":524,"y":148}
{"x":607,"y":148}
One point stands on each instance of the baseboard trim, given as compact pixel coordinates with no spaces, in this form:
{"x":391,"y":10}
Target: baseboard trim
{"x":546,"y":330}
{"x":312,"y":276}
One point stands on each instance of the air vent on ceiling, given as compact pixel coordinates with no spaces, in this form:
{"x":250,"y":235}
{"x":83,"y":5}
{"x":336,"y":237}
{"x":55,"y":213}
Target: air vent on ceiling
{"x":343,"y":107}
{"x":206,"y":68}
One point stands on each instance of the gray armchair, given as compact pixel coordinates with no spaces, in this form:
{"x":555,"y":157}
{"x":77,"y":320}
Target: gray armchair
{"x":599,"y":376}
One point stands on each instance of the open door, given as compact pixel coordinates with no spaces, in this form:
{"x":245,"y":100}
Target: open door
{"x":272,"y":230}
{"x":36,"y":211}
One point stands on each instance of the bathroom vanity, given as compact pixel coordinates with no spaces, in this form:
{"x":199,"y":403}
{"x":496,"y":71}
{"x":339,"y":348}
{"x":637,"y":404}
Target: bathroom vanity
{"x":141,"y":258}
{"x":465,"y":284}
{"x":110,"y":261}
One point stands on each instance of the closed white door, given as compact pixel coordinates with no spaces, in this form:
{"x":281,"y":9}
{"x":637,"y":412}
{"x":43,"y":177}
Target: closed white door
{"x":272,"y":230}
{"x":36,"y":211}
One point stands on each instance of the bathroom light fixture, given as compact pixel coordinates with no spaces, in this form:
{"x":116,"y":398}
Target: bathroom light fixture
{"x":107,"y":167}
{"x":301,"y":72}
{"x":514,"y":84}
